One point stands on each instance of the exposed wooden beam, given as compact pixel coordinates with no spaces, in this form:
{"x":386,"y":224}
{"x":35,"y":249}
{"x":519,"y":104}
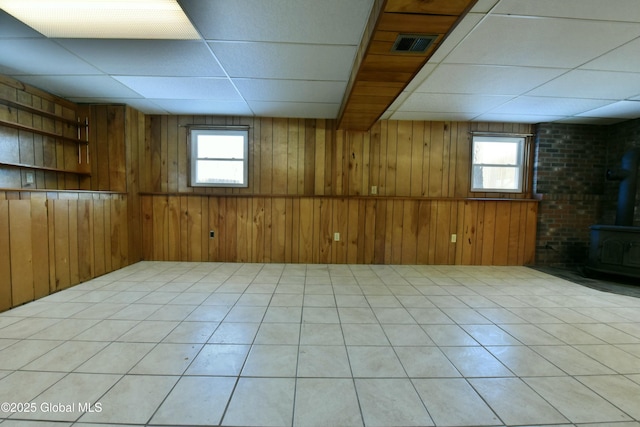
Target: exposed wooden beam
{"x":380,"y":75}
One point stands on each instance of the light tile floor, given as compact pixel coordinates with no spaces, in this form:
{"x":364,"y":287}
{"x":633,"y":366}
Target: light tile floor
{"x":161,"y":343}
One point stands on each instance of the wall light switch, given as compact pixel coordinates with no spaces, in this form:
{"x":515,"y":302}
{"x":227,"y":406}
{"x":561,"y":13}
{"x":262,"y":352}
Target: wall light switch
{"x":374,"y":190}
{"x":336,"y":237}
{"x":454,"y":238}
{"x":30,"y":178}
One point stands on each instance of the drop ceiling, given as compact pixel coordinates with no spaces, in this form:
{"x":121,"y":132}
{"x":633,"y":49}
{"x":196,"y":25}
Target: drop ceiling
{"x":569,"y":61}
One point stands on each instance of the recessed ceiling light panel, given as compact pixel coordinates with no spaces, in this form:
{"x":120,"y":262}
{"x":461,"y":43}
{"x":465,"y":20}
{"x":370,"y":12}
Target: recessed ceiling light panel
{"x":104,"y":19}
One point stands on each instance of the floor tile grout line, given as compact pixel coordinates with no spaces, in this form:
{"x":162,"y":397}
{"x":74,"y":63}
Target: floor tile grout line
{"x":528,"y":346}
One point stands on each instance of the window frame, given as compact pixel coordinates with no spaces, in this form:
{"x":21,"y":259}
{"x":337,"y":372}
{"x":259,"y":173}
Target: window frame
{"x":520,"y":164}
{"x":195,"y":132}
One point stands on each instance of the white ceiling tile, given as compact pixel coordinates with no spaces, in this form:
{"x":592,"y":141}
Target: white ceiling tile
{"x":290,"y":90}
{"x":591,"y":84}
{"x":540,"y":42}
{"x":624,"y":58}
{"x":10,"y":27}
{"x":40,"y":57}
{"x":549,"y":106}
{"x":457,"y":35}
{"x":295,"y":109}
{"x":484,"y":6}
{"x":182,"y":87}
{"x":90,"y":87}
{"x":496,"y":80}
{"x":517,"y":118}
{"x":285,"y":61}
{"x":292,"y":21}
{"x":574,"y":120}
{"x":420,"y":77}
{"x":397,"y":103}
{"x":451,"y":103}
{"x":610,"y":10}
{"x":143,"y":105}
{"x":621,"y":110}
{"x":204,"y":107}
{"x":147,"y":57}
{"x":430,"y":116}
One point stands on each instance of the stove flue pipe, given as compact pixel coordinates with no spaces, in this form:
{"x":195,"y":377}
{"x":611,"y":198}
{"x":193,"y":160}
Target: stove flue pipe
{"x":628,"y":177}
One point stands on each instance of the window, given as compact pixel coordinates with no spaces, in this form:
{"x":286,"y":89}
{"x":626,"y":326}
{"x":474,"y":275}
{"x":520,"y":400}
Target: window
{"x":497,"y":164}
{"x":219,"y":157}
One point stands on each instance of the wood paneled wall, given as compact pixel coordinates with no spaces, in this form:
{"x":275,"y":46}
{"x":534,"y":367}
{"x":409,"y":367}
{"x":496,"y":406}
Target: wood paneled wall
{"x":65,"y":228}
{"x":19,"y":146}
{"x":51,"y":241}
{"x":308,"y":180}
{"x":372,"y":230}
{"x":311,"y":158}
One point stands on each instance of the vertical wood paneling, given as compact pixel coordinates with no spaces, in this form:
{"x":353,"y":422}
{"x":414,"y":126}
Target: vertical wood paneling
{"x":404,"y":159}
{"x":436,"y":149}
{"x":266,"y":156}
{"x":489,"y":233}
{"x":85,"y":240}
{"x":354,"y":231}
{"x":417,"y":153}
{"x":174,"y":152}
{"x":339,"y":209}
{"x":288,"y":216}
{"x":230,"y":229}
{"x":393,"y":231}
{"x":116,"y":147}
{"x":530,"y":234}
{"x":410,"y":231}
{"x":268,"y":229}
{"x":257,"y":249}
{"x":280,"y":165}
{"x":311,"y":158}
{"x":322,"y":231}
{"x":294,"y":181}
{"x":39,"y":230}
{"x":391,"y":157}
{"x":380,"y":234}
{"x":423,"y":232}
{"x":195,"y":228}
{"x":72,"y":237}
{"x":244,"y":230}
{"x":178,"y":220}
{"x":5,"y":261}
{"x":56,"y":241}
{"x":502,"y":233}
{"x":21,"y":251}
{"x":278,"y":230}
{"x":61,"y":243}
{"x":397,"y":231}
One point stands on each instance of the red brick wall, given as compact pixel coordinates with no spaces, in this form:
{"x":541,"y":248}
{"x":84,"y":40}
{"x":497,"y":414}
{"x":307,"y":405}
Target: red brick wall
{"x":569,"y":180}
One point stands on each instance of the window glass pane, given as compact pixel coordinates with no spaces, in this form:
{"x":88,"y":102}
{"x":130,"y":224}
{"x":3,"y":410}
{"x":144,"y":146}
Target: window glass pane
{"x":495,"y":153}
{"x":496,"y":177}
{"x":220,"y":147}
{"x":220,"y":171}
{"x":219,"y":157}
{"x":497,"y":163}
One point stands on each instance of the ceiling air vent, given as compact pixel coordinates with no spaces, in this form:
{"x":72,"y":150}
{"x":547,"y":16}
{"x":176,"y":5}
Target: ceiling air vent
{"x":413,"y":43}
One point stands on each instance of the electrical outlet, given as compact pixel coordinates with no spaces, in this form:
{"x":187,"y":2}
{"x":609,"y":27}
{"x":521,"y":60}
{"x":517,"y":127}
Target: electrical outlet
{"x":212,"y":234}
{"x":336,"y":237}
{"x":454,"y":238}
{"x":30,"y":178}
{"x":374,"y":190}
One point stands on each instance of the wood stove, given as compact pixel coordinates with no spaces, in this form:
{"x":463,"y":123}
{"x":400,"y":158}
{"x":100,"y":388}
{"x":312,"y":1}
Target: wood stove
{"x":616,"y":248}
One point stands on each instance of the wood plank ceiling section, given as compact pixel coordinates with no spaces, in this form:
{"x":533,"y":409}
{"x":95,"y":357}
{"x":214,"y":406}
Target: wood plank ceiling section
{"x":380,"y":75}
